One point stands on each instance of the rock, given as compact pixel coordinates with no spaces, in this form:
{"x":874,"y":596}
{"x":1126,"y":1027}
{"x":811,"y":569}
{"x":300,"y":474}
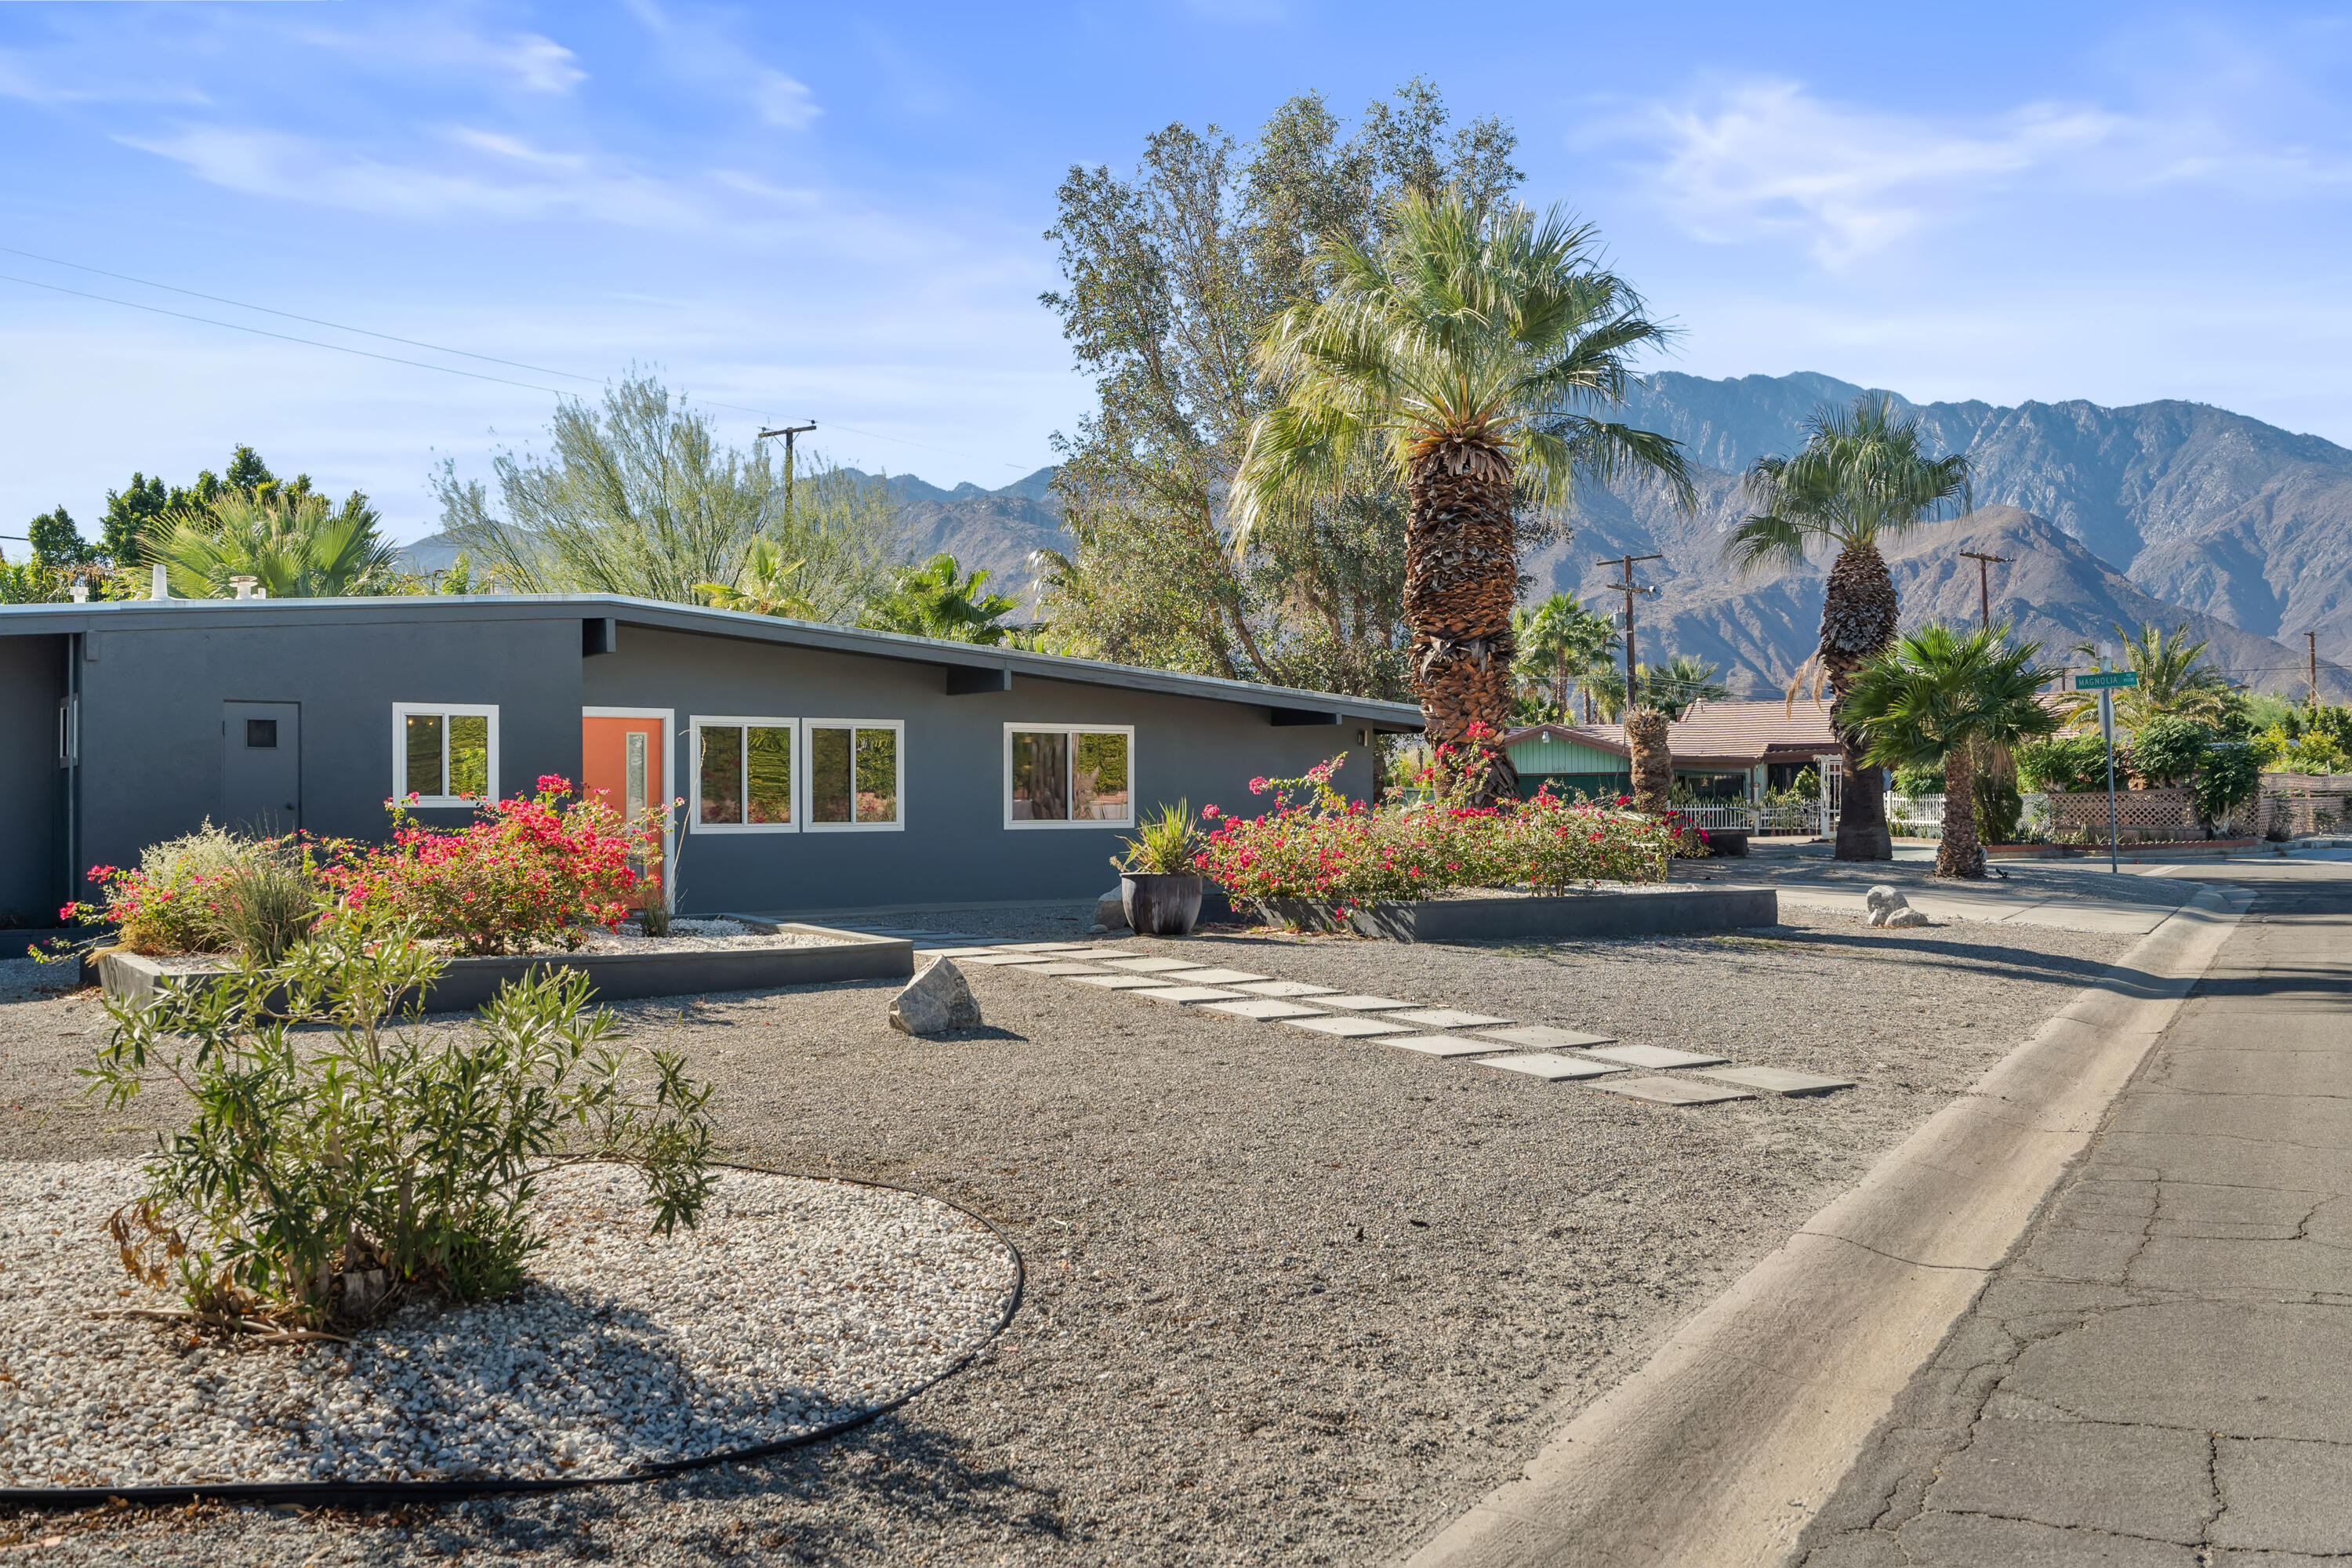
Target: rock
{"x":1110,"y":911}
{"x":1882,"y":898}
{"x":936,"y":1002}
{"x":1906,"y":916}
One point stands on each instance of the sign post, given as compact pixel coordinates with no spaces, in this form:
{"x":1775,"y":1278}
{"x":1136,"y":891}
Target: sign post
{"x":2105,"y":683}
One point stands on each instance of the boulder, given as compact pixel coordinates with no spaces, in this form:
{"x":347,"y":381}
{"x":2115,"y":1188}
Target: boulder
{"x":1906,"y":916}
{"x":936,"y":1002}
{"x":1882,"y":900}
{"x":1110,"y":912}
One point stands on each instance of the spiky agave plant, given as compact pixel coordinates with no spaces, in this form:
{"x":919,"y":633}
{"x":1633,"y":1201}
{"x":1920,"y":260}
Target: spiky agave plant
{"x":1471,"y":352}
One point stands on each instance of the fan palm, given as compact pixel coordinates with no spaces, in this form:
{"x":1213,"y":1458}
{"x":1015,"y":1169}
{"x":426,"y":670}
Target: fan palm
{"x":937,"y":599}
{"x":296,"y":546}
{"x":1561,"y":642}
{"x":1469,"y":354}
{"x":1938,"y":696}
{"x":1673,"y":686}
{"x":2174,"y":681}
{"x":768,"y":586}
{"x":1863,"y":475}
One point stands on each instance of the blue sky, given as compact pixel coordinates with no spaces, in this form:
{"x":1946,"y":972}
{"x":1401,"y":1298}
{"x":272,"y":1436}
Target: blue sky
{"x":835,"y":212}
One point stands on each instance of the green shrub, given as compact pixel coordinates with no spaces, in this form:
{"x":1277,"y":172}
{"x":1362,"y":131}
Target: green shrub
{"x":1913,"y":780}
{"x":2065,"y":762}
{"x":265,"y":902}
{"x":1998,"y":806}
{"x":2168,"y":750}
{"x":1168,"y":845}
{"x":334,"y":1161}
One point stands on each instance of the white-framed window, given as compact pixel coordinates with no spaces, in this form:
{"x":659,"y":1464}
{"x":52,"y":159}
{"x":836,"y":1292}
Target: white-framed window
{"x":744,"y":772}
{"x":856,"y":773}
{"x":1069,"y":775}
{"x":445,"y":754}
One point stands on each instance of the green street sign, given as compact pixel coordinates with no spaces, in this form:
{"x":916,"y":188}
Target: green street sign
{"x":2105,"y":679}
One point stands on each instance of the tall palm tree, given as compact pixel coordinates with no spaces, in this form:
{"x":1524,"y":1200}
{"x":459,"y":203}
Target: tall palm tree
{"x":2174,"y":681}
{"x":1561,"y":643}
{"x":1938,"y":696}
{"x":1469,"y":353}
{"x":1673,"y":686}
{"x":295,"y":546}
{"x":1863,"y":475}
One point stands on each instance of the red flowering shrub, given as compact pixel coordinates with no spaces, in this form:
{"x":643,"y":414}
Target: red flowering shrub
{"x":177,"y":900}
{"x":530,"y":872}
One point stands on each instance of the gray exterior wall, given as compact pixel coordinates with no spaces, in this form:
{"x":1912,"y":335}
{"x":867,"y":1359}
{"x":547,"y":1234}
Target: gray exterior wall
{"x":954,"y":848}
{"x":32,"y":785}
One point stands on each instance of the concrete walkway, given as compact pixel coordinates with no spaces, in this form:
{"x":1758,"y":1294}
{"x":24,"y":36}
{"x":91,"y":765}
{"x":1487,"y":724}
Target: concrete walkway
{"x":2161,"y":1375}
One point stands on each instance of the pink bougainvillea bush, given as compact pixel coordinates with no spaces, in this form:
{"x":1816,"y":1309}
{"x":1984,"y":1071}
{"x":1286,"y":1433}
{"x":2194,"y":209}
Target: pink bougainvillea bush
{"x":532,"y":872}
{"x":1317,"y":844}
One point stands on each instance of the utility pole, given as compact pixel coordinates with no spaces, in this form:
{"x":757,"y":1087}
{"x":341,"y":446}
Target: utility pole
{"x":788,"y":431}
{"x":2311,"y":641}
{"x":1984,"y":583}
{"x":1626,"y":585}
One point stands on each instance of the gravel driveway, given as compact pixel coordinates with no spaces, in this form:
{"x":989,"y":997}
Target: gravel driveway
{"x":1291,"y":1298}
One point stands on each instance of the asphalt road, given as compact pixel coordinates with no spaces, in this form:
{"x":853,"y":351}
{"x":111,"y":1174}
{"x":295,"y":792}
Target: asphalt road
{"x":2161,"y":1375}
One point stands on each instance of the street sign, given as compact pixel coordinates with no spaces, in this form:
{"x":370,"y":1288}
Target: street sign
{"x":2105,"y":679}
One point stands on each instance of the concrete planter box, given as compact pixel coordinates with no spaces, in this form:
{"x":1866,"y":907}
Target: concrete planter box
{"x":468,"y":983}
{"x":1608,"y":912}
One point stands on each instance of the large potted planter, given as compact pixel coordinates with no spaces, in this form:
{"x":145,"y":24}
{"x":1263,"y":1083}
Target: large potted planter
{"x":1158,"y":883}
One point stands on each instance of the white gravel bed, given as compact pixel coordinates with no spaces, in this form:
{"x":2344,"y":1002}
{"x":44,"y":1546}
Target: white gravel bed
{"x":796,"y":1303}
{"x":701,"y":936}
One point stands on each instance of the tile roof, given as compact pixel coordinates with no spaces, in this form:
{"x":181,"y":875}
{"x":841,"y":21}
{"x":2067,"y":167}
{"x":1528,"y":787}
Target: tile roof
{"x":1734,"y":735}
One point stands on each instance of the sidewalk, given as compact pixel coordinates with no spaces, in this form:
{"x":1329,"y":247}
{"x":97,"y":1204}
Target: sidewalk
{"x":2162,"y":1374}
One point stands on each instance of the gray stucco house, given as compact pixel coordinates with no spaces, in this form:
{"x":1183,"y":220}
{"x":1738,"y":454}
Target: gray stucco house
{"x":823,"y":768}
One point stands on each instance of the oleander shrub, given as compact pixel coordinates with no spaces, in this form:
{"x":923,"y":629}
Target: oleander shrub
{"x":342,"y":1154}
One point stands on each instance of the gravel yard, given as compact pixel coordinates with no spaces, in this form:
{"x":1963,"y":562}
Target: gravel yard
{"x":1291,"y":1298}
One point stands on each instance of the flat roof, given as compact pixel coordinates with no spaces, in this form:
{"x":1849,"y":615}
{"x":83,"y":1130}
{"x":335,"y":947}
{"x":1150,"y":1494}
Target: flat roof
{"x":129,"y":614}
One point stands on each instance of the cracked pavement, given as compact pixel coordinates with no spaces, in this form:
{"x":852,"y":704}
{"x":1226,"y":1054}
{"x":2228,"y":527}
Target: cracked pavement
{"x":2161,"y":1375}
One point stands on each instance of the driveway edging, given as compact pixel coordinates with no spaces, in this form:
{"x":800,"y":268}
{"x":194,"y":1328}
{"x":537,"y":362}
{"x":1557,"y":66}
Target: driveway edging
{"x":1723,"y":1444}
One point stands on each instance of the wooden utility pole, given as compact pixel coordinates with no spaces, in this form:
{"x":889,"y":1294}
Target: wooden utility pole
{"x":1626,"y":585}
{"x":1984,"y":581}
{"x":2311,"y":641}
{"x":788,"y":431}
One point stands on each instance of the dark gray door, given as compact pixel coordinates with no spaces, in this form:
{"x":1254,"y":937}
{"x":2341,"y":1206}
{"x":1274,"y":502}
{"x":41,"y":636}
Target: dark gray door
{"x":261,"y":766}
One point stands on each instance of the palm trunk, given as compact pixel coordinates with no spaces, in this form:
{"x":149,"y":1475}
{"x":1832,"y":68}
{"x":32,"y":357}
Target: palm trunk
{"x":1650,"y":760}
{"x":1859,"y":614}
{"x":1461,"y":579}
{"x":1960,"y":853}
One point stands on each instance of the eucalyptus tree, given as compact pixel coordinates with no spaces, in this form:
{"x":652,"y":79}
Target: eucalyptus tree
{"x":1471,"y":352}
{"x":1864,"y":474}
{"x":1941,"y":695}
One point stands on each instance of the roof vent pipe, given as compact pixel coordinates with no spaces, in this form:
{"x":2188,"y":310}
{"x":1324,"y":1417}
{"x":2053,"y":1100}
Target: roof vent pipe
{"x":159,"y":585}
{"x":244,"y":586}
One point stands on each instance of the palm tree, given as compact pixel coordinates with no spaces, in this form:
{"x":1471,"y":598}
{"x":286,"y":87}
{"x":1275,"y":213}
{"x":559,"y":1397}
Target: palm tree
{"x":768,"y":586}
{"x":1671,"y":688}
{"x":937,"y":600}
{"x":294,"y":544}
{"x":1560,"y":642}
{"x":1938,"y":695}
{"x":2174,"y":680}
{"x":1864,"y":474}
{"x":1466,"y":354}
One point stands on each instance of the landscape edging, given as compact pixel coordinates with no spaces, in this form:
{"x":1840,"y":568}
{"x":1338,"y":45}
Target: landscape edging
{"x":1594,"y":915}
{"x":1726,"y":1443}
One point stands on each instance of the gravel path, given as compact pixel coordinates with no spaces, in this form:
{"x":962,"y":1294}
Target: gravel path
{"x":1291,"y":1300}
{"x":793,"y":1305}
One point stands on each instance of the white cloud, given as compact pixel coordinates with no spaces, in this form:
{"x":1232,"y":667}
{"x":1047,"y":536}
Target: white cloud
{"x":784,"y":103}
{"x":1770,"y":158}
{"x":542,"y":65}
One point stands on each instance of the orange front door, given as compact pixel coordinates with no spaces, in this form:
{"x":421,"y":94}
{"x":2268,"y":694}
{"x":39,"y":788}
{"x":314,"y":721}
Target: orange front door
{"x":621,"y":762}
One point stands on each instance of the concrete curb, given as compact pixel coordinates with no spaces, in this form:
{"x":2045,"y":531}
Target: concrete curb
{"x":1723,"y":1444}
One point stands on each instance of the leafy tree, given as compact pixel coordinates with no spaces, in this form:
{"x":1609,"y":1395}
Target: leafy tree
{"x":1470,"y":354}
{"x":2170,"y":749}
{"x":1864,"y":474}
{"x":1936,"y":695}
{"x":1561,"y":643}
{"x":295,"y":543}
{"x":1172,"y":275}
{"x":1673,"y":686}
{"x":149,"y":508}
{"x":2174,"y":681}
{"x":56,"y":540}
{"x":2232,"y":775}
{"x":937,"y":600}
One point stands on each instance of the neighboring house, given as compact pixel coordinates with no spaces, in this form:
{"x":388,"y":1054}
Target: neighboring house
{"x":1722,"y":751}
{"x":822,"y":767}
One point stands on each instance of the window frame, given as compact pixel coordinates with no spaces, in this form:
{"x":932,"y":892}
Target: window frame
{"x":1070,"y":754}
{"x":695,"y":724}
{"x":401,"y":713}
{"x":804,"y":775}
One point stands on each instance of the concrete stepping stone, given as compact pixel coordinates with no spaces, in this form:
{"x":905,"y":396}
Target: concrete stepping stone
{"x":1117,"y":982}
{"x":1446,"y":1018}
{"x":1219,"y":976}
{"x":1290,"y":988}
{"x":1673,"y":1090}
{"x":1188,"y":994}
{"x":1348,"y":1028}
{"x":970,"y":950}
{"x":1656,"y":1056}
{"x":1062,"y":967}
{"x":1264,"y":1007}
{"x":1005,"y":958}
{"x":1549,"y":1066}
{"x":1047,"y":946}
{"x":1152,"y":965}
{"x":1444,"y":1046}
{"x":1364,"y":1004}
{"x":1544,"y":1038}
{"x":1777,"y":1080}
